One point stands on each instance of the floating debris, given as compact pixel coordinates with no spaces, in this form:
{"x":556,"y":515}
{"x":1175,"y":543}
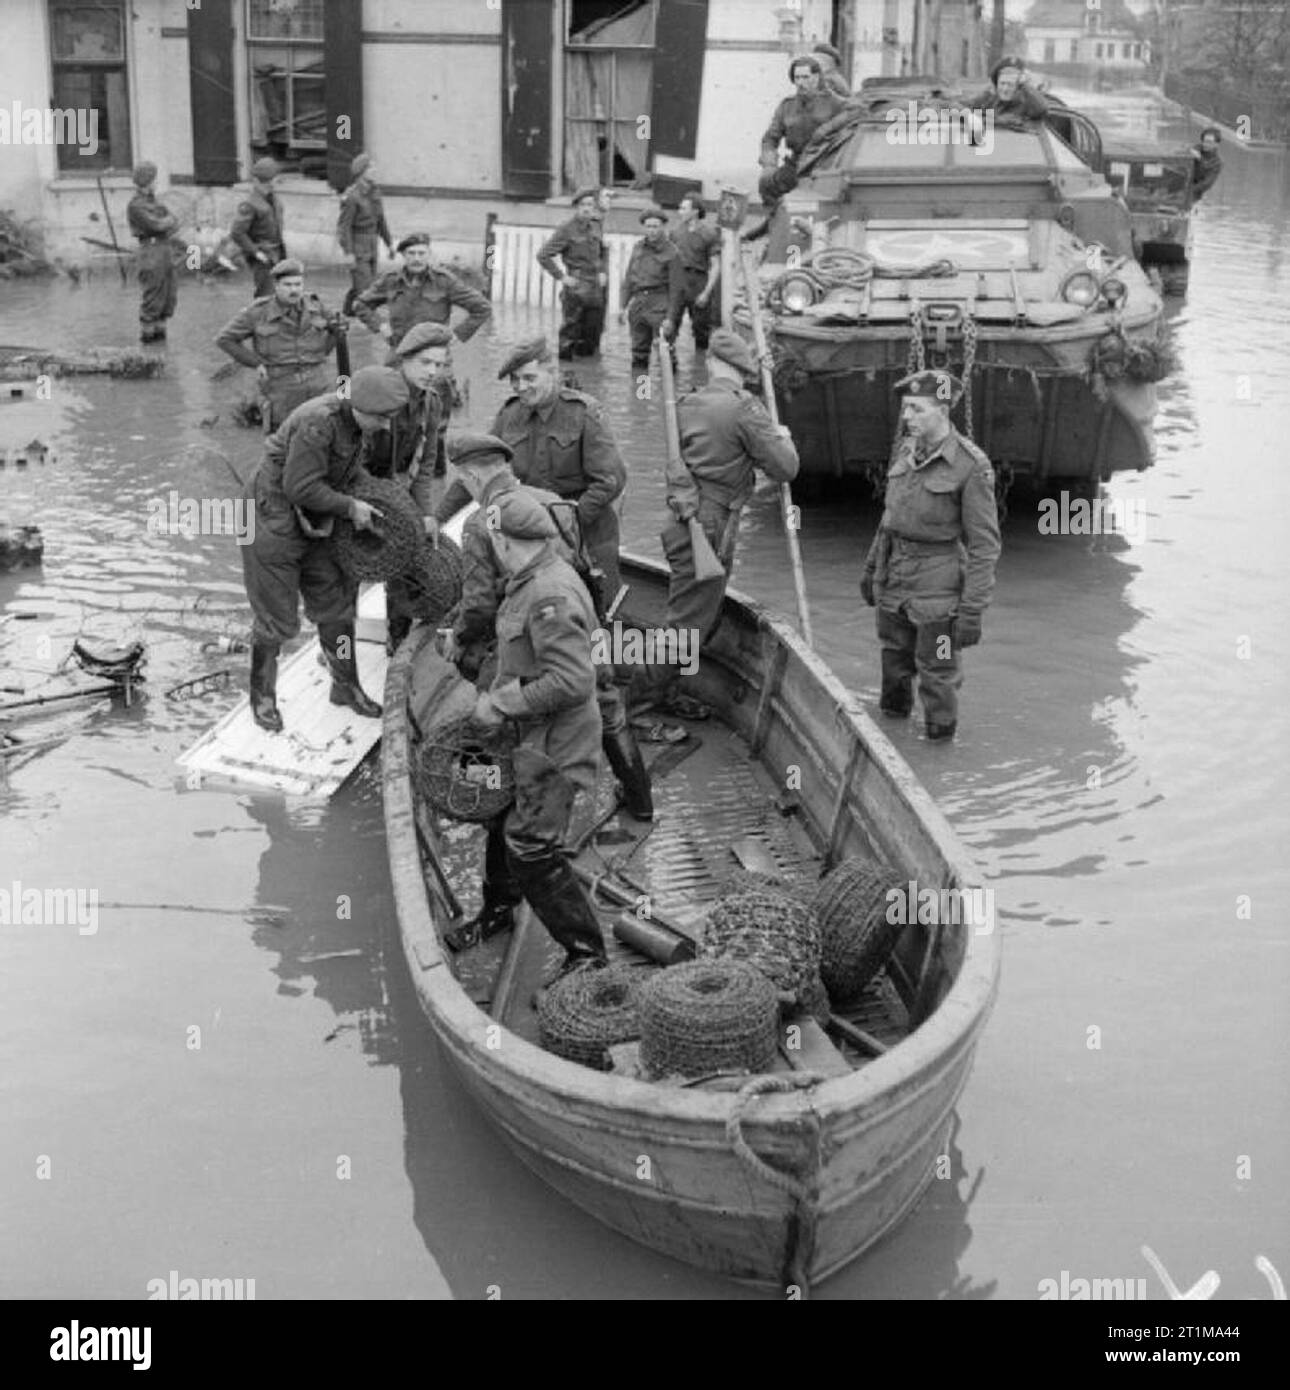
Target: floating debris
{"x":199,"y":686}
{"x":21,"y":547}
{"x":22,"y":363}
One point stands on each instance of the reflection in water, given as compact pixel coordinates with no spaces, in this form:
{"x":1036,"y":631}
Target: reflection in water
{"x":1117,"y":776}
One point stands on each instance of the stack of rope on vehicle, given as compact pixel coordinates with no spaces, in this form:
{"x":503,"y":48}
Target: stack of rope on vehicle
{"x":465,"y":772}
{"x":434,"y":580}
{"x":585,"y":1013}
{"x":708,"y":1016}
{"x":391,"y":547}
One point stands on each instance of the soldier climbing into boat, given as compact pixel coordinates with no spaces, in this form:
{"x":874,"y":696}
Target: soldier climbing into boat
{"x":725,"y":435}
{"x":930,"y":569}
{"x":546,"y":684}
{"x":311,"y":465}
{"x":483,"y":465}
{"x":154,"y":224}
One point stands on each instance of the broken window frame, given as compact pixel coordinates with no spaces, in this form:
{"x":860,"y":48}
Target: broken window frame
{"x":115,"y":138}
{"x":293,"y":146}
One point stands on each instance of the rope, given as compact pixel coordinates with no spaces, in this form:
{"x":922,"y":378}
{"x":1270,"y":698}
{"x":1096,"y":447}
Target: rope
{"x":786,"y":1183}
{"x":969,"y":361}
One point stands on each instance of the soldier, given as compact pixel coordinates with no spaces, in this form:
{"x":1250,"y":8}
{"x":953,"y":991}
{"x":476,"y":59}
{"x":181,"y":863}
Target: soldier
{"x":290,"y":335}
{"x":580,"y":244}
{"x":1206,"y":162}
{"x":153,"y":224}
{"x":257,"y":228}
{"x":831,"y":79}
{"x":726,"y":433}
{"x":561,"y":441}
{"x":651,"y":281}
{"x":546,"y":683}
{"x":302,"y":485}
{"x":1010,"y":95}
{"x":796,"y":119}
{"x":930,"y":570}
{"x":362,"y":226}
{"x":698,"y":245}
{"x":413,"y":447}
{"x":419,"y":293}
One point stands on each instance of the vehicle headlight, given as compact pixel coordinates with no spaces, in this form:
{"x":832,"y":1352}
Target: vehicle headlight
{"x":1114,"y":291}
{"x":796,"y":293}
{"x":1080,"y":287}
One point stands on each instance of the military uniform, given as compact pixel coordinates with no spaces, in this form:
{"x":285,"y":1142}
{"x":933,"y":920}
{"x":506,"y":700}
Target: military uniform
{"x":294,"y":346}
{"x":795,"y":121}
{"x":931,"y":562}
{"x":566,"y":447}
{"x":360,"y":230}
{"x":653,"y":277}
{"x":257,"y":228}
{"x":153,"y":224}
{"x":581,"y":246}
{"x":312,"y":462}
{"x":429,"y":298}
{"x":1206,"y":167}
{"x":697,"y":247}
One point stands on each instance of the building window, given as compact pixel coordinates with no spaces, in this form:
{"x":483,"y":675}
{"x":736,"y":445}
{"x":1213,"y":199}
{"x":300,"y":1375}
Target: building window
{"x":288,"y":97}
{"x":1137,"y":51}
{"x":1074,"y":58}
{"x":608,"y":82}
{"x":1050,"y":50}
{"x":87,"y":43}
{"x":1097,"y":50}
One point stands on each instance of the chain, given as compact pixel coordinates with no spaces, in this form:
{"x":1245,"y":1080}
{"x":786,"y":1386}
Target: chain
{"x":915,"y":361}
{"x":969,"y":361}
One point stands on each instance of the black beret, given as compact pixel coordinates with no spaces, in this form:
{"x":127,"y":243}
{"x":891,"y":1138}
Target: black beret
{"x":531,"y":350}
{"x":413,"y":239}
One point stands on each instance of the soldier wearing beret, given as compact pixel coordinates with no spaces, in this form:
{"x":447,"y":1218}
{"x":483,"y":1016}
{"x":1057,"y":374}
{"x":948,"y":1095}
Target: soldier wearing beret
{"x":413,"y":447}
{"x":580,"y":245}
{"x":652,"y":281}
{"x":362,"y":226}
{"x":831,"y":79}
{"x":257,"y":228}
{"x":545,"y":684}
{"x":930,"y":570}
{"x":561,"y":441}
{"x":1010,"y":95}
{"x":153,"y":224}
{"x":796,"y":119}
{"x":419,"y":292}
{"x":287,"y":337}
{"x":303,"y":483}
{"x":726,"y":434}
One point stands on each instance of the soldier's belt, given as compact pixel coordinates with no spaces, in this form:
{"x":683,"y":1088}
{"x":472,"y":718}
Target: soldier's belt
{"x":294,"y":372}
{"x":914,"y":545}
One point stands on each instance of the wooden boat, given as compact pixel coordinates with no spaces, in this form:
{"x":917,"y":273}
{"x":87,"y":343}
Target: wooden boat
{"x":780,"y":1179}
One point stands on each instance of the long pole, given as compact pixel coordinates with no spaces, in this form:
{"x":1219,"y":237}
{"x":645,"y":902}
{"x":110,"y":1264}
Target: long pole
{"x":107,"y":212}
{"x":753,"y":295}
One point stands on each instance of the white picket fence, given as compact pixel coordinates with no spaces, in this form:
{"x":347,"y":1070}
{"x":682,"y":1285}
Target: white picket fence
{"x":518,"y":279}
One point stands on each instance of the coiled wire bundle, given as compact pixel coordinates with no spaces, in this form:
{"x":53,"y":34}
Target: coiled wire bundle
{"x":585,"y":1013}
{"x":769,"y":928}
{"x":465,"y":772}
{"x":856,"y":937}
{"x":432,"y":587}
{"x":393,"y":544}
{"x":708,"y":1016}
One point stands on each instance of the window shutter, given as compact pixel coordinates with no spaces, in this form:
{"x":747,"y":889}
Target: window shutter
{"x":681,"y":30}
{"x":210,"y":87}
{"x":343,"y":64}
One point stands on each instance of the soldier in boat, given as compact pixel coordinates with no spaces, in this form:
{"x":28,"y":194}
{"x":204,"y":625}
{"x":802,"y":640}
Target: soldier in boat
{"x":930,"y":570}
{"x":796,"y":119}
{"x":303,"y":483}
{"x":546,"y":684}
{"x":1206,"y":163}
{"x":1010,"y":95}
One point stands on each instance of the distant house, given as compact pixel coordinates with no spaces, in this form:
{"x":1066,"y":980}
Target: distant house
{"x":1064,"y":36}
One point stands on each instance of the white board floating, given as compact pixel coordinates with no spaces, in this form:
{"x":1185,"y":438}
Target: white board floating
{"x":321,"y":743}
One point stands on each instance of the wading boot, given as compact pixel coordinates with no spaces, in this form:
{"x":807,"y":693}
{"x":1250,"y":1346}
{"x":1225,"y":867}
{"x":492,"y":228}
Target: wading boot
{"x":336,"y":638}
{"x":501,"y":897}
{"x":939,"y":731}
{"x":264,"y":686}
{"x":629,"y":767}
{"x":562,"y":906}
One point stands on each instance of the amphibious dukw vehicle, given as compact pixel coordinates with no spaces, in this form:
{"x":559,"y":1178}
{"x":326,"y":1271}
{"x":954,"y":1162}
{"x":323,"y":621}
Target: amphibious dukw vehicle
{"x":922,"y":234}
{"x":1154,"y":178}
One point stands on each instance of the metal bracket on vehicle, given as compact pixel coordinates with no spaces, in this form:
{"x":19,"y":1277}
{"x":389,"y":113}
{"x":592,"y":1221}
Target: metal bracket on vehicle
{"x":941,"y":317}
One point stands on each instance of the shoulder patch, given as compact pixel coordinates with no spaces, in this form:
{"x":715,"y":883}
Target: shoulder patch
{"x":548,"y":609}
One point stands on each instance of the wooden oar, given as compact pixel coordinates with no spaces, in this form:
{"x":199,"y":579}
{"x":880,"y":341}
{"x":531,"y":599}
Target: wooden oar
{"x":785,"y":494}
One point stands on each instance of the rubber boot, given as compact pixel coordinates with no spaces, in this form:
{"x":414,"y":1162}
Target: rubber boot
{"x":345,"y":687}
{"x":564,"y":909}
{"x":629,"y":767}
{"x":397,"y":627}
{"x":264,"y":686}
{"x":501,"y":897}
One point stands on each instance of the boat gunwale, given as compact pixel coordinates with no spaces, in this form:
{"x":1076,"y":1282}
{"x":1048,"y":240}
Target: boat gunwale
{"x":953,"y":1025}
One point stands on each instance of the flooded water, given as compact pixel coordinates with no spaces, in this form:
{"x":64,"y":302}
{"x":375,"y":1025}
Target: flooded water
{"x":260,"y":1098}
